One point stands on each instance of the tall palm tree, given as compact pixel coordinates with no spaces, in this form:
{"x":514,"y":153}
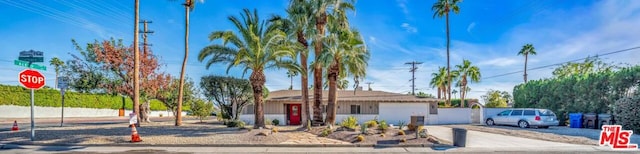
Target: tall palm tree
{"x":320,"y":10}
{"x":189,"y":5}
{"x":291,"y":74}
{"x":527,"y":50}
{"x":439,"y":81}
{"x":442,"y":8}
{"x":256,"y":46}
{"x":57,"y":64}
{"x":463,"y":71}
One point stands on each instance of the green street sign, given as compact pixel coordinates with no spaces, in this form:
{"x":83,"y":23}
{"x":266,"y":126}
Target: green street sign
{"x":26,"y":64}
{"x":31,"y":59}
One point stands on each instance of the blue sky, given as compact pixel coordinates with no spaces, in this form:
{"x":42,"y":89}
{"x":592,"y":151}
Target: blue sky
{"x":489,"y":33}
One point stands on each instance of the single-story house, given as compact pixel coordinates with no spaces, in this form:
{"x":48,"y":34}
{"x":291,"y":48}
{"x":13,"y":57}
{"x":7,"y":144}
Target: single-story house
{"x":285,"y":105}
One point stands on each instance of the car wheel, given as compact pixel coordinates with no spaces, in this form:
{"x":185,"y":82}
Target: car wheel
{"x":523,"y":124}
{"x":490,"y":122}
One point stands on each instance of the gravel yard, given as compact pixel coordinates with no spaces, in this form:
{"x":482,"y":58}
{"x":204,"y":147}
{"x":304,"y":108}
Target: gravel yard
{"x":374,"y":136}
{"x":151,"y":133}
{"x":554,"y":133}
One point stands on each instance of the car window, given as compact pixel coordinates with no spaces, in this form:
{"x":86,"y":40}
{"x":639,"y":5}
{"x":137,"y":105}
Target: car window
{"x":529,"y":112}
{"x":546,"y":113}
{"x":504,"y":113}
{"x":516,"y":113}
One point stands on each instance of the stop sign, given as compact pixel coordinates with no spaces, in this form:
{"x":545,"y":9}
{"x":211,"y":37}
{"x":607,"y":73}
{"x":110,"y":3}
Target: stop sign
{"x":31,"y":79}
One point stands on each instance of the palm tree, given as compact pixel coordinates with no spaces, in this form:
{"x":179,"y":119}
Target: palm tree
{"x":442,"y":8}
{"x":454,"y":92}
{"x":189,"y":5}
{"x":57,"y":64}
{"x":463,"y":71}
{"x":346,"y":55}
{"x":291,"y":74}
{"x":439,"y":81}
{"x":527,"y":50}
{"x":320,"y":10}
{"x":256,"y":46}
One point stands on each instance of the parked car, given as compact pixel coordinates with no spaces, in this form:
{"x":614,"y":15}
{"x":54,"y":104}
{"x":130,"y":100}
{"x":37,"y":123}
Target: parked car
{"x":524,"y":117}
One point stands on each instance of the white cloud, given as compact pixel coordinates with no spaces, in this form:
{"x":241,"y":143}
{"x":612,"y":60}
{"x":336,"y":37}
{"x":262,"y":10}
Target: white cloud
{"x":403,"y":6}
{"x":499,"y":62}
{"x":409,"y":28}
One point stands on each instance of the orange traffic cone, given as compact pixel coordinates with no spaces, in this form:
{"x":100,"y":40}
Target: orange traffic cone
{"x":15,"y":126}
{"x":134,"y":134}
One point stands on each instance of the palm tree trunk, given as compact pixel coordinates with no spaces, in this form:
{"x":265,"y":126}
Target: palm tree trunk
{"x":257,"y":80}
{"x":333,"y":88}
{"x":526,"y":58}
{"x":463,"y":89}
{"x":184,"y":64}
{"x":317,"y":72}
{"x":448,"y":63}
{"x":56,"y":85}
{"x":439,"y":93}
{"x":304,"y":78}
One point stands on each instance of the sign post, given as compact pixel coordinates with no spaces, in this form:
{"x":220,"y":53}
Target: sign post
{"x":32,"y":80}
{"x":62,"y":84}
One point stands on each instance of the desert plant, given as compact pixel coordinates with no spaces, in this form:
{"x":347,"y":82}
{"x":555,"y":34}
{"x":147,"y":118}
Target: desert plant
{"x":249,"y":128}
{"x":371,"y":123}
{"x":626,"y":112}
{"x":236,"y":123}
{"x":350,"y":122}
{"x":411,"y":127}
{"x":383,"y":126}
{"x":360,"y":138}
{"x":381,"y":135}
{"x":267,"y":121}
{"x":275,"y":122}
{"x":403,"y":140}
{"x":401,"y":132}
{"x":325,"y":132}
{"x":363,"y":129}
{"x":274,"y":130}
{"x":401,"y":124}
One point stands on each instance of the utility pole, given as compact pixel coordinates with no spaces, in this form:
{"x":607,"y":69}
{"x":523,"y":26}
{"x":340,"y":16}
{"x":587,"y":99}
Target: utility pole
{"x":413,"y":75}
{"x":136,"y":65}
{"x":369,"y":83}
{"x":144,"y":32}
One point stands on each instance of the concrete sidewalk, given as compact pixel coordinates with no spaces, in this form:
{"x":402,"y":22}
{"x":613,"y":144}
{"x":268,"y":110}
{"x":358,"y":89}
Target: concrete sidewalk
{"x":105,"y":149}
{"x":476,"y":139}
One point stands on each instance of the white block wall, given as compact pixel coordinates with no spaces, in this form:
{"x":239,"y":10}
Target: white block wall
{"x":393,"y":113}
{"x":248,"y":118}
{"x":454,"y":115}
{"x":12,"y":111}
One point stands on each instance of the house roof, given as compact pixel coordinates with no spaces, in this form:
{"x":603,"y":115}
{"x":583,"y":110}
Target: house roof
{"x":349,"y":96}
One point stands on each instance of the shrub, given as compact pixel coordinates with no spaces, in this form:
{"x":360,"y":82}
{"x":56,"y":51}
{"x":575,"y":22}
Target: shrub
{"x":236,"y":123}
{"x":400,"y":124}
{"x":275,"y":122}
{"x":401,"y":132}
{"x":411,"y":127}
{"x":403,"y":140}
{"x":371,"y":123}
{"x":626,"y":113}
{"x":325,"y":132}
{"x":274,"y":130}
{"x":383,"y":126}
{"x":381,"y":135}
{"x":267,"y":121}
{"x":351,"y":122}
{"x":360,"y":138}
{"x":201,"y":109}
{"x":363,"y":129}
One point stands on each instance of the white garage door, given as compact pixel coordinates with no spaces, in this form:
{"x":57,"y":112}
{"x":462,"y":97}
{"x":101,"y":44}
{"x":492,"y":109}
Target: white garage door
{"x":393,"y":113}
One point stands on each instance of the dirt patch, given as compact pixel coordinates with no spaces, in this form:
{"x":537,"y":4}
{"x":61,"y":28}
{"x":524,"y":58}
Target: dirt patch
{"x":530,"y":134}
{"x":375,"y":136}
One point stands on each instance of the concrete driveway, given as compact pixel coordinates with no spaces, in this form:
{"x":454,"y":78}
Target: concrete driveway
{"x":482,"y":139}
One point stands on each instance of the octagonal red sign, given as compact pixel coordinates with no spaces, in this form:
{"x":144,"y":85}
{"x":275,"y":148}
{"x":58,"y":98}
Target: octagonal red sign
{"x":31,"y":79}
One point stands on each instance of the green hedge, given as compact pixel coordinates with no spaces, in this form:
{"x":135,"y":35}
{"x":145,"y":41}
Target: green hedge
{"x":583,"y":93}
{"x":17,"y":95}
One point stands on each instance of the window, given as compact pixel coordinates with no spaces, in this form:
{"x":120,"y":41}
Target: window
{"x":355,"y":109}
{"x":529,"y":112}
{"x":516,"y":113}
{"x":249,"y":109}
{"x":504,"y":113}
{"x":546,"y":113}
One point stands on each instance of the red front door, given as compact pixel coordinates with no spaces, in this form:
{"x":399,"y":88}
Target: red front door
{"x":294,"y":114}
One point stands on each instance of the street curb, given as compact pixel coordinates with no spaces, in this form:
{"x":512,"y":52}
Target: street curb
{"x":231,"y":145}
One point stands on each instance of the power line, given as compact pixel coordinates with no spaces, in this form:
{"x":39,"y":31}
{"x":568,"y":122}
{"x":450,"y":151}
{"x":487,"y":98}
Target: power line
{"x":545,"y":66}
{"x":413,"y":75}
